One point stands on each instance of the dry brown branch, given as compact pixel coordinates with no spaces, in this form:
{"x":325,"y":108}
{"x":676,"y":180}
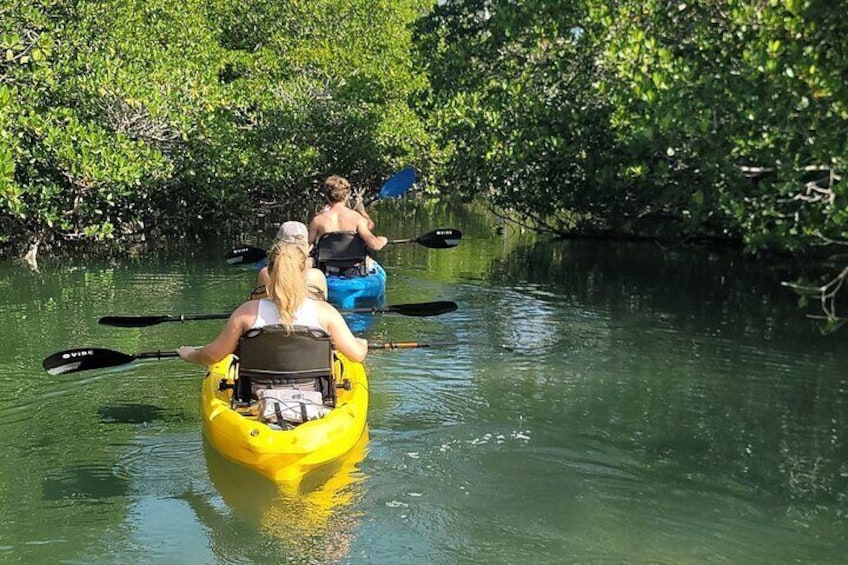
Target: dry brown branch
{"x":814,"y":193}
{"x":136,"y":123}
{"x":31,"y":257}
{"x":827,"y":293}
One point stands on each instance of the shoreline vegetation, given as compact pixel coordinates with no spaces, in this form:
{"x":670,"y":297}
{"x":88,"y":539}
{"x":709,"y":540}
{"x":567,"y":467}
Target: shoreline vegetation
{"x":126,"y":120}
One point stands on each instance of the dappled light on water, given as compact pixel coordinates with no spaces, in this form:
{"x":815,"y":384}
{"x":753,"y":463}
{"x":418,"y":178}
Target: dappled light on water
{"x":584,"y":403}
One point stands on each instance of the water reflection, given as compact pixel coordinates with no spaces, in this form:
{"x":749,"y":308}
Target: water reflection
{"x":130,"y":413}
{"x":312,"y":521}
{"x":652,"y":351}
{"x":359,"y":323}
{"x":652,"y":405}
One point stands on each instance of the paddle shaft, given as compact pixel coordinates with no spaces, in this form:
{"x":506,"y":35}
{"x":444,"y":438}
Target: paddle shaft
{"x":156,"y":355}
{"x":442,"y":238}
{"x":85,"y":359}
{"x":419,"y":309}
{"x":410,"y":344}
{"x":145,"y":321}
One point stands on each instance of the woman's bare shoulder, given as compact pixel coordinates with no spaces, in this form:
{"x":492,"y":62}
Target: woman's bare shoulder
{"x":324,"y":306}
{"x":247,"y":309}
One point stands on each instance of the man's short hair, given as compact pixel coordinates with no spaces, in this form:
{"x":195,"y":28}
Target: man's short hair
{"x":337,"y":189}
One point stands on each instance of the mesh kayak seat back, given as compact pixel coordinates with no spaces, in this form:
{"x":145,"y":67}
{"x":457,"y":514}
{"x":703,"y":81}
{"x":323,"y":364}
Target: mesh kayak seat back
{"x":271,"y":358}
{"x":341,"y":253}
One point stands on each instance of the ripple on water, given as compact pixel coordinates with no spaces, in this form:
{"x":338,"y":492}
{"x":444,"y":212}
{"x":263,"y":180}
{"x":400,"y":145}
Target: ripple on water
{"x":621,"y":423}
{"x":84,"y":483}
{"x":150,"y":458}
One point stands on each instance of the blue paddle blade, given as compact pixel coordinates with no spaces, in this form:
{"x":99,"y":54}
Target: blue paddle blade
{"x":399,"y":183}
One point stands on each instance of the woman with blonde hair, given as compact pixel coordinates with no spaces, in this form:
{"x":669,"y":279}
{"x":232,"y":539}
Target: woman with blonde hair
{"x":295,"y":233}
{"x":287,"y":305}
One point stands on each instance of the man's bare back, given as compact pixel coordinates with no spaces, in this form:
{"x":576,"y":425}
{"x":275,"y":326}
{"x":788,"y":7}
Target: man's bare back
{"x":339,"y":217}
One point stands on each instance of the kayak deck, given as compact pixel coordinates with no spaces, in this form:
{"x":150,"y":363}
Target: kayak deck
{"x":350,"y":292}
{"x":284,"y":455}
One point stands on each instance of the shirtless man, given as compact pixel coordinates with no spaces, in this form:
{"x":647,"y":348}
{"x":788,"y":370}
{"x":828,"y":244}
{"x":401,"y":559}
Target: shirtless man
{"x":336,"y":216}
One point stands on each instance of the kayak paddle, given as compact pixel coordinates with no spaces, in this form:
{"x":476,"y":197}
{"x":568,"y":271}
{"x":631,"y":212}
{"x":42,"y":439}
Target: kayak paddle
{"x":83,"y":359}
{"x":418,"y":345}
{"x":144,"y":321}
{"x":418,"y":309}
{"x":246,"y":254}
{"x":410,"y":344}
{"x":401,"y":182}
{"x":442,"y":238}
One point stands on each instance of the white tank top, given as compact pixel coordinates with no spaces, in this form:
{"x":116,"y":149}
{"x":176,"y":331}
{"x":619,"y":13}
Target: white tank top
{"x":306,"y":315}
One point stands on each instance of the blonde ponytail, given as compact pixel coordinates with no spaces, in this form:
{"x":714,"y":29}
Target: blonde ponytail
{"x":287,"y":289}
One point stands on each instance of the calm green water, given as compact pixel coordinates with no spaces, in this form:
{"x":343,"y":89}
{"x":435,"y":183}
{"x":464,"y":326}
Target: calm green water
{"x":609,"y":403}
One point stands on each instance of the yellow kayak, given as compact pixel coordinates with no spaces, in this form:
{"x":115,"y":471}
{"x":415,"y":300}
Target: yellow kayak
{"x":284,"y":455}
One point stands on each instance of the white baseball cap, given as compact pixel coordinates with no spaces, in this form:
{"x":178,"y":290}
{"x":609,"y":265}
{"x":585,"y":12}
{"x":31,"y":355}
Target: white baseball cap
{"x":293,"y":232}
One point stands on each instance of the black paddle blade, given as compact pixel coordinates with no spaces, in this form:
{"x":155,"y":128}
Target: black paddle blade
{"x":443,"y":238}
{"x":424,"y":308}
{"x":133,"y":321}
{"x":248,"y":254}
{"x":75,"y":360}
{"x":144,"y":321}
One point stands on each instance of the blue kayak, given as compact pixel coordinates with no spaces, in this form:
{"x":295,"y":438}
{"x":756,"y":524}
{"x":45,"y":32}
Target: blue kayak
{"x":353,"y":292}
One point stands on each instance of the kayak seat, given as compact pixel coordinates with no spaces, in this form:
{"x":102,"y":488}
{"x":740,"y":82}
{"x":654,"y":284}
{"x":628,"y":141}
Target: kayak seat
{"x":269,"y":358}
{"x":341,"y":254}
